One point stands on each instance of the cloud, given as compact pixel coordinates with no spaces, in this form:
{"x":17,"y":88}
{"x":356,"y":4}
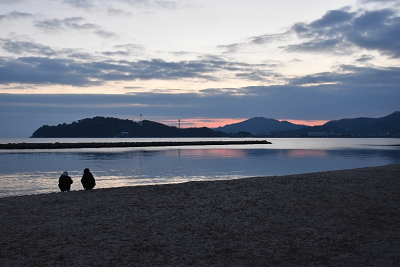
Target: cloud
{"x":152,"y":3}
{"x":332,"y":18}
{"x":231,"y":48}
{"x":255,"y":40}
{"x":125,"y":50}
{"x":166,"y":4}
{"x":74,"y":23}
{"x":364,"y":58}
{"x":10,"y":1}
{"x":80,"y":3}
{"x":24,"y":47}
{"x":21,"y":45}
{"x":359,"y":78}
{"x":15,"y":15}
{"x":344,"y":92}
{"x":43,"y":70}
{"x":339,"y":31}
{"x":117,"y":12}
{"x":105,"y":34}
{"x":59,"y":24}
{"x":378,"y":1}
{"x":328,"y":46}
{"x":256,"y":75}
{"x":352,"y":93}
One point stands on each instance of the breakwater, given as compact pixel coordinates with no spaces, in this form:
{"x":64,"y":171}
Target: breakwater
{"x":58,"y":145}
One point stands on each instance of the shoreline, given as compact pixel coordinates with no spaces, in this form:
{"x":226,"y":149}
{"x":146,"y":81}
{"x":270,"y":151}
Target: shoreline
{"x":334,"y":218}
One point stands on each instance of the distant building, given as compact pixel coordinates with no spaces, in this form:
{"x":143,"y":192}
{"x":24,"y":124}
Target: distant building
{"x":318,"y":134}
{"x":124,"y":134}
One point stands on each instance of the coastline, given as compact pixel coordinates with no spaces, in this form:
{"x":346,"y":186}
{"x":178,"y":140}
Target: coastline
{"x":335,"y":218}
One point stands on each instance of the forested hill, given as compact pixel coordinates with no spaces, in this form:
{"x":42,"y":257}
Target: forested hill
{"x":388,"y":126}
{"x":113,"y":127}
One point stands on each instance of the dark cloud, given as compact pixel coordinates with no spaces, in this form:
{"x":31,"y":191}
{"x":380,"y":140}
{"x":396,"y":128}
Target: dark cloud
{"x":37,"y":70}
{"x":29,"y":47}
{"x":332,"y":18}
{"x":256,"y":75}
{"x":338,"y":31}
{"x":322,"y":45}
{"x":43,"y":70}
{"x":16,"y":15}
{"x":348,"y":92}
{"x":354,"y":77}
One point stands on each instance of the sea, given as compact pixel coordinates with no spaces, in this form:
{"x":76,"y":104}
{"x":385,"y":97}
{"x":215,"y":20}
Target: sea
{"x":28,"y":172}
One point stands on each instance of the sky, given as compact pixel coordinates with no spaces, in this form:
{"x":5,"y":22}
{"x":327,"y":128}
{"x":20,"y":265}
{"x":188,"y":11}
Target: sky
{"x":207,"y":63}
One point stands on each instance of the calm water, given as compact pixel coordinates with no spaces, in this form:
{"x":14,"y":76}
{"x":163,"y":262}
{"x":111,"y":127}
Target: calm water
{"x":24,"y":172}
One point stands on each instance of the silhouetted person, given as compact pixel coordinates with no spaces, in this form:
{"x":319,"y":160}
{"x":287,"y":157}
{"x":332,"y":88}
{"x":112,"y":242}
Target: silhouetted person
{"x":64,"y":182}
{"x":87,"y":180}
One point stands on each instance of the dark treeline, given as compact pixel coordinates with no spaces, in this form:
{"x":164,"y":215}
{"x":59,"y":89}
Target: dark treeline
{"x":113,"y":127}
{"x":387,"y":126}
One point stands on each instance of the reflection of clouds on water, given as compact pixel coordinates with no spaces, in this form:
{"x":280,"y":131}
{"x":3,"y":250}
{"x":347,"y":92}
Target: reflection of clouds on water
{"x":38,"y":172}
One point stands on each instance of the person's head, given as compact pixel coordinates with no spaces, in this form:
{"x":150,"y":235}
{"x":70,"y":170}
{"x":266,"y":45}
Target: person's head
{"x":86,"y":170}
{"x":65,"y":174}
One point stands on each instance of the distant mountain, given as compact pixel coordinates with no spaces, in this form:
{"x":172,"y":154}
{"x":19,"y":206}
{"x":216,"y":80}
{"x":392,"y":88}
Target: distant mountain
{"x":384,"y":126}
{"x":259,"y":125}
{"x":113,"y":127}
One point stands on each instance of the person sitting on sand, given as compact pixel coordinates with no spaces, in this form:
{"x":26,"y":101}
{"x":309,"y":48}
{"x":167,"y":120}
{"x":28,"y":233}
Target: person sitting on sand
{"x":64,"y":182}
{"x":87,"y":180}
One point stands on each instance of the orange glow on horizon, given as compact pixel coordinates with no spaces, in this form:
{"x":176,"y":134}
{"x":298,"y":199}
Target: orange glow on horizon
{"x":218,"y":122}
{"x":202,"y":122}
{"x":308,"y":122}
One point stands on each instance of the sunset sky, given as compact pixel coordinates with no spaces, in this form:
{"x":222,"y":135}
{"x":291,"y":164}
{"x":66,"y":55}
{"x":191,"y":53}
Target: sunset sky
{"x":205,"y":62}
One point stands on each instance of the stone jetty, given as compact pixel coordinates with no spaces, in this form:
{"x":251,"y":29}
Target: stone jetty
{"x":58,"y":145}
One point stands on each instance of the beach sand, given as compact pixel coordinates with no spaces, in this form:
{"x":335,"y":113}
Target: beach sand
{"x":337,"y":218}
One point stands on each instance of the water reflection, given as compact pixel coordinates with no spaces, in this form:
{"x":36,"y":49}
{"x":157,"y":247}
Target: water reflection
{"x":307,"y":153}
{"x":38,"y":172}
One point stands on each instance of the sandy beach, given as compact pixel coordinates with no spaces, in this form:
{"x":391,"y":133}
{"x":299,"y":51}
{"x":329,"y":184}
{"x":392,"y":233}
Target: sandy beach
{"x":337,"y":218}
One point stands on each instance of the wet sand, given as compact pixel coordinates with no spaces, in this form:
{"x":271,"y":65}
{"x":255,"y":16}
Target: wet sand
{"x":337,"y":218}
